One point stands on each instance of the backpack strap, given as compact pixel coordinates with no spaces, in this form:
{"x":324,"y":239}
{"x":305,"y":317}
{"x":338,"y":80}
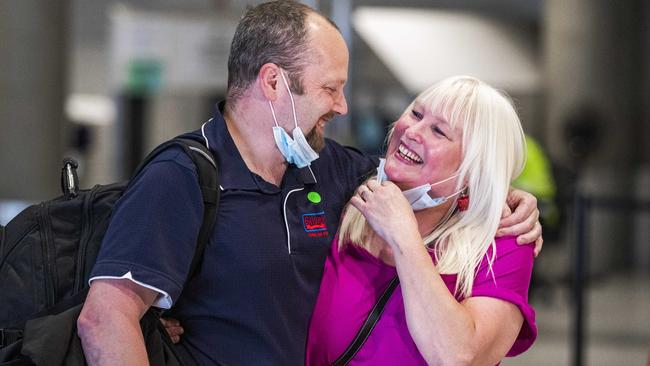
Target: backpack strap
{"x":207,"y":171}
{"x":368,"y":325}
{"x":208,"y":175}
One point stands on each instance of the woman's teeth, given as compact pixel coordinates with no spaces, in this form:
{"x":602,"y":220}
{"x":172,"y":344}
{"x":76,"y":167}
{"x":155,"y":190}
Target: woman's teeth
{"x":408,"y":154}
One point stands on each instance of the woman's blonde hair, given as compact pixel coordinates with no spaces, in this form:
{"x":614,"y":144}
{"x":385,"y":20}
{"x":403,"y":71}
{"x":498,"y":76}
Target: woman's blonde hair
{"x":493,"y":154}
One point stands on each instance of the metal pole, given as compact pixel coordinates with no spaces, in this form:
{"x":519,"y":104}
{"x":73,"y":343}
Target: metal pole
{"x":33,"y":65}
{"x":341,"y":14}
{"x":579,"y":277}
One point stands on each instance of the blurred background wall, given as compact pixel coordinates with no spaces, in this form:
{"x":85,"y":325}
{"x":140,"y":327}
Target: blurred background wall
{"x":105,"y":80}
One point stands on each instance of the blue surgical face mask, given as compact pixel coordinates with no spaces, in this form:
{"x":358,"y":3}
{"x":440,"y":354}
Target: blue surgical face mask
{"x":295,"y":150}
{"x":419,"y":197}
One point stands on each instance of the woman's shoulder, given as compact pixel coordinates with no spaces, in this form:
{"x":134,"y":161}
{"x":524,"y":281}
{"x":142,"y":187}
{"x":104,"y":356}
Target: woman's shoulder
{"x":511,"y":260}
{"x":507,"y":246}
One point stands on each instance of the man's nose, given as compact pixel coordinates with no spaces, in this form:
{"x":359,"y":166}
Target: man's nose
{"x":341,"y":105}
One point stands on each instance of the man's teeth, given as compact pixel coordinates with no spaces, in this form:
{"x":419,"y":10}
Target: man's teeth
{"x":408,"y":154}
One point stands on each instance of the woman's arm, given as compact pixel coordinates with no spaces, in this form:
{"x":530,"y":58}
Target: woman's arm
{"x":478,"y":331}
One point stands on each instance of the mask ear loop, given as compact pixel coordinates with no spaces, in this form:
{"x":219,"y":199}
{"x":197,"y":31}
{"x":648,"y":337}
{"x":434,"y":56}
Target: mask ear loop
{"x":273,"y":114}
{"x":293,"y":107}
{"x":455,"y":193}
{"x":445,"y":180}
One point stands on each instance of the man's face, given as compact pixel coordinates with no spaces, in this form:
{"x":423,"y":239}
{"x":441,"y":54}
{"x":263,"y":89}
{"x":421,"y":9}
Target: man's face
{"x":323,"y":81}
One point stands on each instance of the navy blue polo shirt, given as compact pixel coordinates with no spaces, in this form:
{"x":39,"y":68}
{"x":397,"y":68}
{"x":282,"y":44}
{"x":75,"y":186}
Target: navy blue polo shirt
{"x":251,"y":301}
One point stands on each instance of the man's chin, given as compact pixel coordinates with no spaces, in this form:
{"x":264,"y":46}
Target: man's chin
{"x":316,"y":139}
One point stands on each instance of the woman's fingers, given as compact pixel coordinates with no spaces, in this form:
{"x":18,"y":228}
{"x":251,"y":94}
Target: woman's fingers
{"x":173,"y":328}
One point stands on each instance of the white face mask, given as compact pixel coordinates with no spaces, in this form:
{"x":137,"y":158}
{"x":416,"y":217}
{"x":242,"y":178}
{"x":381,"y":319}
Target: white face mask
{"x":419,"y":197}
{"x":297,"y":150}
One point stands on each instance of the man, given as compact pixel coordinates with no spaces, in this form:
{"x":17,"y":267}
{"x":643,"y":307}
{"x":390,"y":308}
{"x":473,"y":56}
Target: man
{"x":251,"y":301}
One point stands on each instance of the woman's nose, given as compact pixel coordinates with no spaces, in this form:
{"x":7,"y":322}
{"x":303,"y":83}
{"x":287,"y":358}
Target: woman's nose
{"x":414,"y":132}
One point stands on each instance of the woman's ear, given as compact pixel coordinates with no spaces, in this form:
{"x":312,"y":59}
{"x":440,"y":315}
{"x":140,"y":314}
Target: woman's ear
{"x":463,"y":199}
{"x":268,"y":80}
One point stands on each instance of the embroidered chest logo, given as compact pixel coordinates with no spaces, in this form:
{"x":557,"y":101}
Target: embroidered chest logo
{"x":315,"y":224}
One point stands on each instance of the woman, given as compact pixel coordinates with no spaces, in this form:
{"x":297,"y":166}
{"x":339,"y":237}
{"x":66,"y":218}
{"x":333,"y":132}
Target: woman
{"x":462,"y":297}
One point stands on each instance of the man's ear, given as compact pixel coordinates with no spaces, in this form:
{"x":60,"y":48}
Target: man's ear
{"x":269,"y":79}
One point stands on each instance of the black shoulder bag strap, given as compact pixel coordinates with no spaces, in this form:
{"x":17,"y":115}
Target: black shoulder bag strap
{"x":208,"y":173}
{"x":368,"y":325}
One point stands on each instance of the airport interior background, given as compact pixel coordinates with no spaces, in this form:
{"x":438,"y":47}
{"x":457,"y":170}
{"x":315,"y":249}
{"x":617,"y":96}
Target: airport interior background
{"x":104,"y":81}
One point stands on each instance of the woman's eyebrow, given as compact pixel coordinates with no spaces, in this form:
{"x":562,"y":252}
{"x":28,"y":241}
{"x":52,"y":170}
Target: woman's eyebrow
{"x":441,"y":120}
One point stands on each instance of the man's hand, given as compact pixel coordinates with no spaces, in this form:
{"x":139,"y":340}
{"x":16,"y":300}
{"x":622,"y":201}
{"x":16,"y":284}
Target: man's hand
{"x":524,"y":221}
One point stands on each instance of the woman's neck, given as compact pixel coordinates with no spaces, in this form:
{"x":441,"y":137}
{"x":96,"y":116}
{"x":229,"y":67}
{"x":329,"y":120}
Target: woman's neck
{"x":429,"y":219}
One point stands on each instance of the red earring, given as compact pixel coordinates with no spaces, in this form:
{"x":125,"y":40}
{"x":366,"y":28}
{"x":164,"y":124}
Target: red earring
{"x":463,"y":201}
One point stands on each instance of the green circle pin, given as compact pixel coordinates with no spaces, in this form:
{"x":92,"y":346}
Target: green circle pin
{"x":314,"y":197}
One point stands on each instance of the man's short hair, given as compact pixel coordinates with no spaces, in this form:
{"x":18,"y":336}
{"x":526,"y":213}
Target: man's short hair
{"x":270,"y":32}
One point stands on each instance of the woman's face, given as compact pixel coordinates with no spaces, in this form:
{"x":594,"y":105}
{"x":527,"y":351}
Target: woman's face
{"x":424,"y":148}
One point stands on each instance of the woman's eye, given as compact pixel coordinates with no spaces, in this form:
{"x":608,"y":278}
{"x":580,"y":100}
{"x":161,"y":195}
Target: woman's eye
{"x":437,"y":130}
{"x":417,"y":115}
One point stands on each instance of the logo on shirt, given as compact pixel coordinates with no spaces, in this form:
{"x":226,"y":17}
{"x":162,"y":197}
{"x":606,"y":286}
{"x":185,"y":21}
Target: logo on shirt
{"x":314,"y":197}
{"x":315,"y":224}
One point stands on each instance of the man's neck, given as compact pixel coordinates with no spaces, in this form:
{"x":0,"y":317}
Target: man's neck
{"x":254,"y":140}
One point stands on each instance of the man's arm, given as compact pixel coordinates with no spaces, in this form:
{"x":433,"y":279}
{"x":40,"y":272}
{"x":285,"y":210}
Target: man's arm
{"x":109,"y":323}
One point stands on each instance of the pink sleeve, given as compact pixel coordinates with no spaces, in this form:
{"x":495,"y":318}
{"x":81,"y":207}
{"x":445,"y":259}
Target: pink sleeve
{"x":512,"y":269}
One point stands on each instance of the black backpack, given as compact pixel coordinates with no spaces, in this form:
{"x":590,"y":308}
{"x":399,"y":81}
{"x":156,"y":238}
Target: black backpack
{"x":47,"y":252}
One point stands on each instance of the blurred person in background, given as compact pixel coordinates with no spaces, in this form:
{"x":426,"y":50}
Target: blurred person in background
{"x":537,"y":179}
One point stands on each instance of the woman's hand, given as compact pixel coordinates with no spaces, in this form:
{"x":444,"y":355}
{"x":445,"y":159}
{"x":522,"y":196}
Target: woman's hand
{"x":173,"y":328}
{"x":385,"y":209}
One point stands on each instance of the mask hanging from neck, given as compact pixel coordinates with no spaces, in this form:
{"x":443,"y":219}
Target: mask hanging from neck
{"x":295,"y":150}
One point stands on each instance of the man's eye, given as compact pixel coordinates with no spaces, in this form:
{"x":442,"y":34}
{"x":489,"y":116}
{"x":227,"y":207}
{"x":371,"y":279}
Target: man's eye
{"x":417,"y":115}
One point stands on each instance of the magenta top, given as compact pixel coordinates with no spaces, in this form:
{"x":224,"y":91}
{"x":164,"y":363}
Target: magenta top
{"x":353,"y":280}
